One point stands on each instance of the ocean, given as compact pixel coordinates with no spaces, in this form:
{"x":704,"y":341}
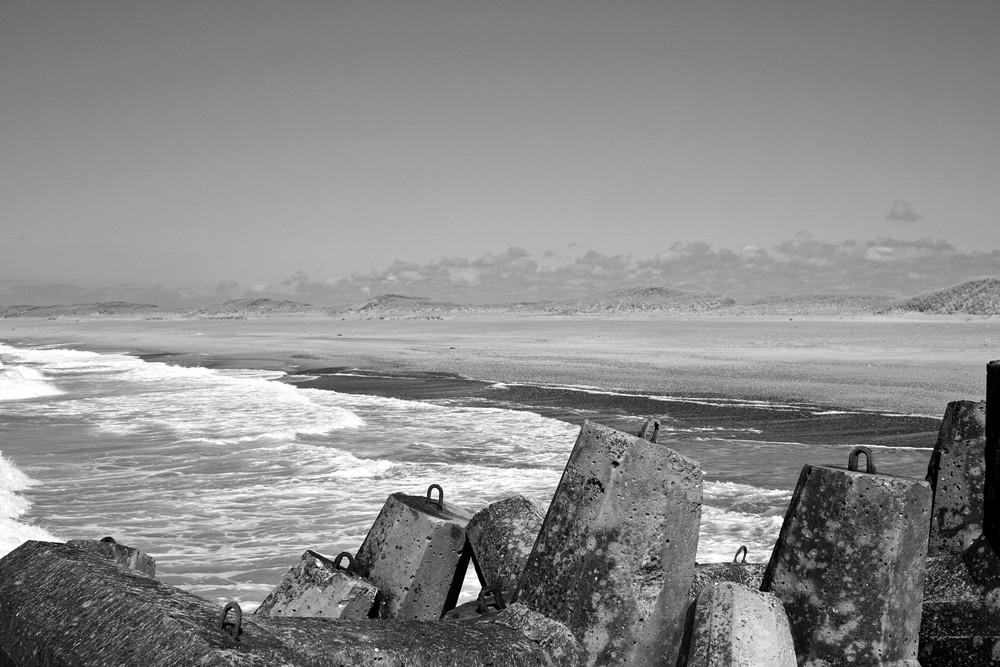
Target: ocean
{"x":227,"y":476}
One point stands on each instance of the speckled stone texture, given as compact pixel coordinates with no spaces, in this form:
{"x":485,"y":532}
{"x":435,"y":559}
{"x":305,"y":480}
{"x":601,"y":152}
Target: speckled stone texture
{"x":848,"y":566}
{"x":316,"y":587}
{"x":63,"y":606}
{"x":736,"y":626}
{"x":125,"y":556}
{"x":551,"y":635}
{"x":960,"y":626}
{"x":502,"y":535}
{"x":415,"y":553}
{"x":705,"y":574}
{"x":956,"y":472}
{"x":66,"y":607}
{"x":615,"y":556}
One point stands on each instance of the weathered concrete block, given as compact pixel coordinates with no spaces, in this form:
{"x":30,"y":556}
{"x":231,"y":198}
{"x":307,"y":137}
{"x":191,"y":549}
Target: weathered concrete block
{"x":848,"y":566}
{"x":125,"y":556}
{"x":615,"y":556}
{"x":956,"y":472}
{"x":735,"y":625}
{"x":341,"y":642}
{"x":960,"y":625}
{"x":502,"y":536}
{"x":746,"y":574}
{"x":416,"y":554}
{"x":549,"y":634}
{"x":318,"y":586}
{"x":67,"y":607}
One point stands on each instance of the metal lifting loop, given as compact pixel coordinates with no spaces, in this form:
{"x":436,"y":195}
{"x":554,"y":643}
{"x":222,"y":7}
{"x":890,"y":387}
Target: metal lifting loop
{"x":342,"y":555}
{"x":440,"y":500}
{"x":852,"y":461}
{"x":741,"y":550}
{"x":237,"y":628}
{"x":650,"y":430}
{"x":490,"y":597}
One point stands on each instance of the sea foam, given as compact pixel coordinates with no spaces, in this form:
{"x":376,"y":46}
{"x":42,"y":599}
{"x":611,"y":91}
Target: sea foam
{"x":18,"y":383}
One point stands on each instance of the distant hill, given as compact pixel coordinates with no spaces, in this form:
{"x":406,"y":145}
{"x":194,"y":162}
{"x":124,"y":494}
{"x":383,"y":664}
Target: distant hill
{"x":814,"y":304}
{"x":973,"y":297}
{"x":638,"y":300}
{"x":103,"y":309}
{"x":397,"y":306}
{"x":236,"y":309}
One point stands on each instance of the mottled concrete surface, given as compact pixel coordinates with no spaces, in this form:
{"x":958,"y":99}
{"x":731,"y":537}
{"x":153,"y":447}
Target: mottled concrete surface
{"x":735,"y":625}
{"x":615,"y":556}
{"x":849,"y":566}
{"x":318,"y":586}
{"x":956,"y":473}
{"x":415,"y":554}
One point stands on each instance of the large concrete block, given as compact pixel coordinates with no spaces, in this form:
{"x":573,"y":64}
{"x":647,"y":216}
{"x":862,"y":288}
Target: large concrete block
{"x":848,"y":566}
{"x":550,"y":635}
{"x":615,"y":556}
{"x":956,"y":472}
{"x":318,"y":586}
{"x":735,"y":625}
{"x":502,"y":536}
{"x":119,"y":553}
{"x":960,"y":625}
{"x":66,"y":607}
{"x":63,"y":606}
{"x":416,"y":554}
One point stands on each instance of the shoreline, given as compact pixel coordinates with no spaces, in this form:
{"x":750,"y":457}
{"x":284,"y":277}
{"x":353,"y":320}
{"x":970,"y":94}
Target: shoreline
{"x":913,"y":367}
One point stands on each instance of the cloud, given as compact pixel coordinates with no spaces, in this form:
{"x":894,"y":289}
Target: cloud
{"x":801,"y":265}
{"x":902,"y":211}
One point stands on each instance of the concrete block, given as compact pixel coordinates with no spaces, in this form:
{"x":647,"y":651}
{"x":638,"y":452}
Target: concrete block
{"x":961,"y":618}
{"x":705,"y":574}
{"x":735,"y":625}
{"x":553,"y":636}
{"x":615,"y":556}
{"x":502,"y":536}
{"x":318,"y":586}
{"x":848,"y":566}
{"x":416,"y":554}
{"x":119,"y":553}
{"x":67,"y":607}
{"x":956,"y":472}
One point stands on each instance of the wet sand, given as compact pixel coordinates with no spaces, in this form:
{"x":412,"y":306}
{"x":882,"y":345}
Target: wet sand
{"x":913,"y":366}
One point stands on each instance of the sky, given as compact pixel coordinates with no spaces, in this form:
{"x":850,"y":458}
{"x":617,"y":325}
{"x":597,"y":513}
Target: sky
{"x":201,"y":149}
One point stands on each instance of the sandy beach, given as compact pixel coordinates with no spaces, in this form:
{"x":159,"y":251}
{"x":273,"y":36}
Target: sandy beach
{"x":913,"y":365}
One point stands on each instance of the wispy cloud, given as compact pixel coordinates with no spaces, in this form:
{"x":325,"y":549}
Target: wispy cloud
{"x":801,"y":265}
{"x":902,"y":211}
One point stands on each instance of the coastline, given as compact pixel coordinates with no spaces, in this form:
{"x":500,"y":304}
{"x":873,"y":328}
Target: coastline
{"x":913,"y":366}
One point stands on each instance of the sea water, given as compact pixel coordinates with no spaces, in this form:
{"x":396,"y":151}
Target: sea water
{"x":226,"y":477}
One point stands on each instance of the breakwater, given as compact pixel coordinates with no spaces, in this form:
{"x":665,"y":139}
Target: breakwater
{"x":854,"y":578}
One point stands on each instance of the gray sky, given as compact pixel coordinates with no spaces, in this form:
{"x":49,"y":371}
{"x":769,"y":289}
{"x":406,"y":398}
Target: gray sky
{"x":240,"y":146}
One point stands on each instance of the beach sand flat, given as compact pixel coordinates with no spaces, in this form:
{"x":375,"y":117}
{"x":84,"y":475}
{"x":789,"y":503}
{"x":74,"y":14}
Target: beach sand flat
{"x":914,"y":365}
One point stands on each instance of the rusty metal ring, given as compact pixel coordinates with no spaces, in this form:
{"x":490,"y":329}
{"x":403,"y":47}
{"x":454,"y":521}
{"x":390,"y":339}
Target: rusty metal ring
{"x":238,"y":626}
{"x":852,"y":461}
{"x":341,"y":556}
{"x":651,"y":424}
{"x":440,"y":500}
{"x":741,"y":550}
{"x":483,"y":604}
